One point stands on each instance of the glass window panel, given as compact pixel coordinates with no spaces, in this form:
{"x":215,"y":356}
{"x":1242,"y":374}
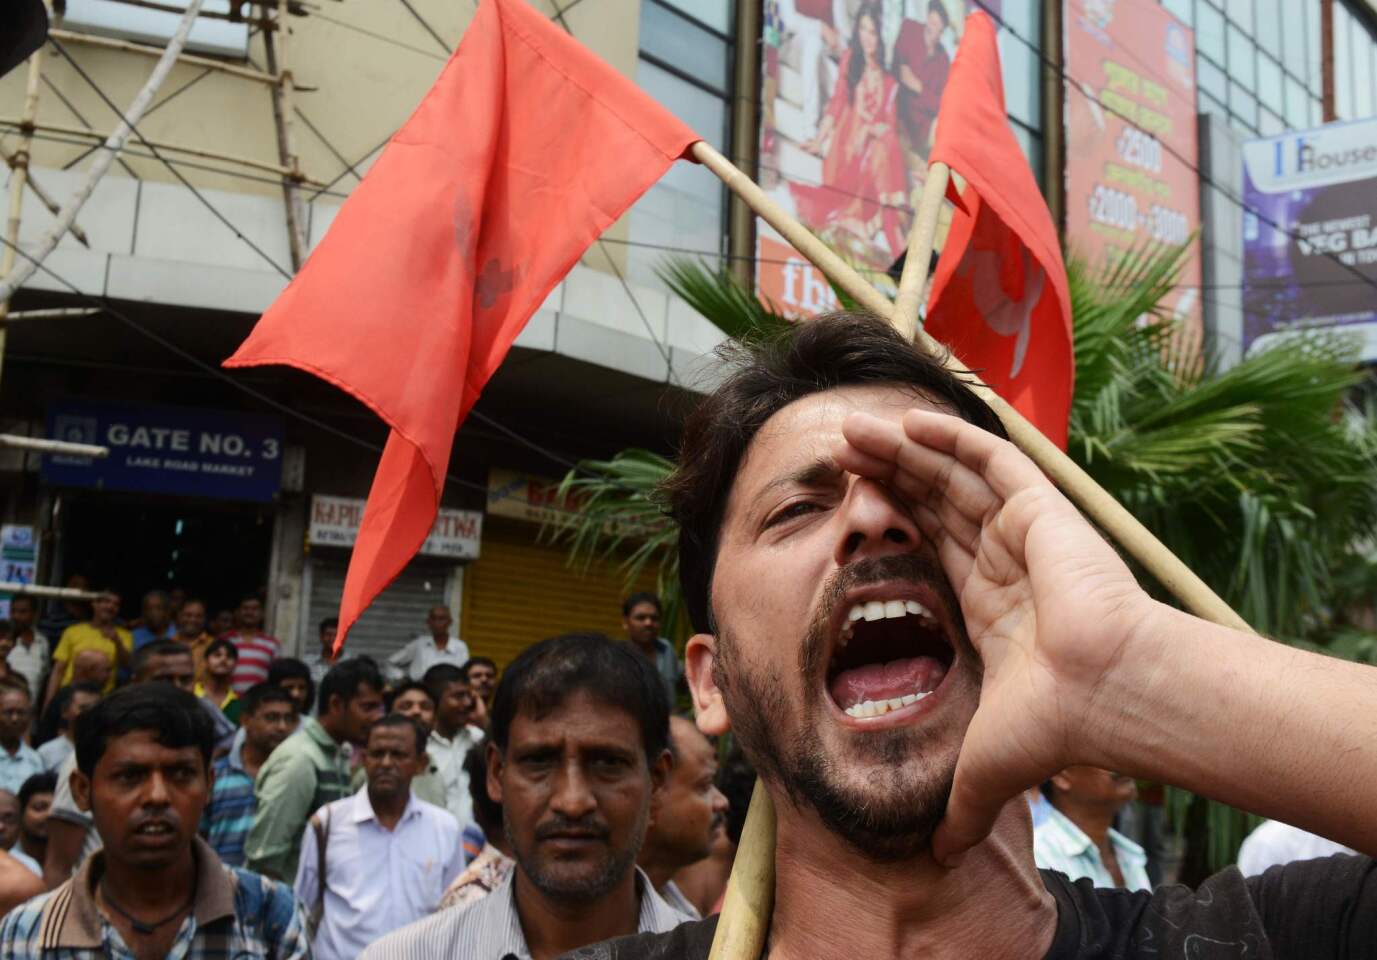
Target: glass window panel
{"x":1269,"y":89}
{"x":1269,"y":26}
{"x":1297,"y":105}
{"x":1241,"y":13}
{"x":1211,"y":79}
{"x":1242,"y":53}
{"x":685,"y":208}
{"x":1269,"y":124}
{"x":1022,"y":90}
{"x":717,"y":14}
{"x":1362,"y":73}
{"x":1242,"y":126}
{"x":1243,"y":103}
{"x":1293,"y":45}
{"x":1314,"y":37}
{"x":669,"y":37}
{"x":1208,"y":104}
{"x":1209,"y":30}
{"x":1343,"y":64}
{"x":1181,"y":9}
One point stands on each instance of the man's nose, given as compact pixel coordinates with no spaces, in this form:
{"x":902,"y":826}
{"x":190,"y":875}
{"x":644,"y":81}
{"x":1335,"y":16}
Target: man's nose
{"x":873,"y":524}
{"x":572,"y":796}
{"x":157,"y":794}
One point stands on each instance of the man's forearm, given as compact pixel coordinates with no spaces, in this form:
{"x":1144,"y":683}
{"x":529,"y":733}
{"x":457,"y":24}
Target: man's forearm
{"x":1277,"y":731}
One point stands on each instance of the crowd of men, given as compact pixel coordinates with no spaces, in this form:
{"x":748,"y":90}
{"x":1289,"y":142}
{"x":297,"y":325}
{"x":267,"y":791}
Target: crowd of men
{"x":901,"y":623}
{"x":360,"y":795}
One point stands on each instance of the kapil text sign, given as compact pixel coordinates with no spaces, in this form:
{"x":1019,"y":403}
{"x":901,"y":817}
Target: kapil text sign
{"x":335,"y":523}
{"x":172,"y":450}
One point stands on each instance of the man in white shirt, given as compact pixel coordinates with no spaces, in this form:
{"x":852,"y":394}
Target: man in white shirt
{"x":452,"y":736}
{"x":31,"y":654}
{"x":1274,"y":842}
{"x":438,"y":646}
{"x":380,"y":859}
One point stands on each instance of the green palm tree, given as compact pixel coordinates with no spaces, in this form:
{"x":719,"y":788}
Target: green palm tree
{"x":1261,"y":476}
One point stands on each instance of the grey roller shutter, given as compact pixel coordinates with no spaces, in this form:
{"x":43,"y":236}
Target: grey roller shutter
{"x":399,"y":613}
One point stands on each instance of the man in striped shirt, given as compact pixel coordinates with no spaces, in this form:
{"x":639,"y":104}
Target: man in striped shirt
{"x":580,"y":727}
{"x":256,"y":649}
{"x":267,"y":716}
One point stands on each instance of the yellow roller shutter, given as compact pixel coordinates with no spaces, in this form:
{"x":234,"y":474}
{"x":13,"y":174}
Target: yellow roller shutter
{"x":519,"y":591}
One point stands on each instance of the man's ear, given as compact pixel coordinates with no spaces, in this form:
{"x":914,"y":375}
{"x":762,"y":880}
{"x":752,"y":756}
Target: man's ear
{"x":81,"y":790}
{"x":494,"y":773}
{"x":709,"y":710}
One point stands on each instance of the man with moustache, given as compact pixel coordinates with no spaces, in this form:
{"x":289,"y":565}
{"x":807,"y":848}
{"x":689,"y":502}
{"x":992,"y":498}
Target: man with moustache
{"x":689,"y":816}
{"x":906,"y":626}
{"x":579,"y":732}
{"x":1077,"y":835}
{"x":155,"y":889}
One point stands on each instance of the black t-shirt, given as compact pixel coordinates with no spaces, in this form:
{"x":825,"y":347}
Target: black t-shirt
{"x":1322,"y":909}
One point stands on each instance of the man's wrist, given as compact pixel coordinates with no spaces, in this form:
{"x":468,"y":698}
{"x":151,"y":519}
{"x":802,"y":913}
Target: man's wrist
{"x":1117,"y":734}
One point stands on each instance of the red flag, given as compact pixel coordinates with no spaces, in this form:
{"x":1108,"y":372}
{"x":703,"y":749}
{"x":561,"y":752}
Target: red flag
{"x":523,"y":152}
{"x":999,"y":298}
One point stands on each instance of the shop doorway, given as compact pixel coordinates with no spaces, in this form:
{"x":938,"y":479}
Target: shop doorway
{"x":218,"y":552}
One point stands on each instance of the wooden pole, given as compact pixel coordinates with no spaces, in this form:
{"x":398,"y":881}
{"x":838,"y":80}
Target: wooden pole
{"x":15,"y":278}
{"x":744,"y":923}
{"x":920,"y":240}
{"x":46,"y":199}
{"x":19,"y":174}
{"x":163,"y":145}
{"x":275,"y":46}
{"x":746,"y":907}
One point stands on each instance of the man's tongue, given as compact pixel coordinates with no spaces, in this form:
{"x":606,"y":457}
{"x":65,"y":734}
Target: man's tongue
{"x":885,"y":681}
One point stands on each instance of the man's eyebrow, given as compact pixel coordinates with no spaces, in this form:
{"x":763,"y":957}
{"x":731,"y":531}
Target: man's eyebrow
{"x":817,"y":473}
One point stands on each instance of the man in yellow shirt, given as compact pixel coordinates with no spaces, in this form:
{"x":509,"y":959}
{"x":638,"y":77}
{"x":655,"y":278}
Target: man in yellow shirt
{"x":98,"y":633}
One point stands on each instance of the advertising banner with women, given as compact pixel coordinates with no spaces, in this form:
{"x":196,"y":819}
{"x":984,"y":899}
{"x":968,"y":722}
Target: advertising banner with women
{"x":850,"y":91}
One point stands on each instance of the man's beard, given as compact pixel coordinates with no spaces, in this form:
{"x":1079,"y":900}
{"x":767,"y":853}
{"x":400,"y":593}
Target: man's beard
{"x":550,"y":879}
{"x":892,"y":817}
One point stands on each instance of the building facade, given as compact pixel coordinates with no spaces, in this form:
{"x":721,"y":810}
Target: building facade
{"x":188,"y":239}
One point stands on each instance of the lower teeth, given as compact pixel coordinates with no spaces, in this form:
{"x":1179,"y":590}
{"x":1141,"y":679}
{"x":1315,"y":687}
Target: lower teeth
{"x":876,"y":708}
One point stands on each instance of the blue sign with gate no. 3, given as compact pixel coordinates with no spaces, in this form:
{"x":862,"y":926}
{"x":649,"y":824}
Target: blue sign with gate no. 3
{"x":174,"y":450}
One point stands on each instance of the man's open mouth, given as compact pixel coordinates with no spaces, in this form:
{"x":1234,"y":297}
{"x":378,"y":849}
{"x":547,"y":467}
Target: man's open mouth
{"x":889,"y":651}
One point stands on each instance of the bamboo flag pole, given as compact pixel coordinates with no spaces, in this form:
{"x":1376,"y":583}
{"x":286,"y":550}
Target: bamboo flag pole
{"x":904,"y":313}
{"x":745,"y":918}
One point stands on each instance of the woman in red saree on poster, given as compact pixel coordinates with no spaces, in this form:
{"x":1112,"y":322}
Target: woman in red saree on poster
{"x":864,"y":183}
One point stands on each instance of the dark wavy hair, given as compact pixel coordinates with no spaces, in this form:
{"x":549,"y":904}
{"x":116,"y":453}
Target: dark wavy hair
{"x":545,"y":675}
{"x":764,"y":376}
{"x":855,"y":65}
{"x":173,"y":716}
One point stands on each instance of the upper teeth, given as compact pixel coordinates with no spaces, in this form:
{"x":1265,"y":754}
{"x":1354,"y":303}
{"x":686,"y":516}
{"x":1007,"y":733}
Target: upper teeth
{"x":881,"y":610}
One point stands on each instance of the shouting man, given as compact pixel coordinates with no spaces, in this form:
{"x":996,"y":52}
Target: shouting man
{"x":906,"y":626}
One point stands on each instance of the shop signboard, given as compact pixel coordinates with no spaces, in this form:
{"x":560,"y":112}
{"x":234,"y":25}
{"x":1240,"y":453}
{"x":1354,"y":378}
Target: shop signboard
{"x":18,"y":559}
{"x":524,"y":496}
{"x":1310,"y":233}
{"x":167,"y":450}
{"x":335,"y":523}
{"x":1131,"y":139}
